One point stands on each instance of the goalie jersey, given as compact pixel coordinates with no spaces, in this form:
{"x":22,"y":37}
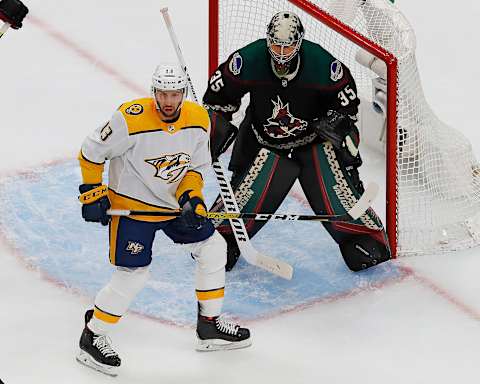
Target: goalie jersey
{"x":152,"y":162}
{"x":281,"y":107}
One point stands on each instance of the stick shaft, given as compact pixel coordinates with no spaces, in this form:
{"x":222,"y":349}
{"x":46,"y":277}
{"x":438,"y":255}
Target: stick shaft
{"x":176,"y":45}
{"x":242,"y":215}
{"x":353,"y":214}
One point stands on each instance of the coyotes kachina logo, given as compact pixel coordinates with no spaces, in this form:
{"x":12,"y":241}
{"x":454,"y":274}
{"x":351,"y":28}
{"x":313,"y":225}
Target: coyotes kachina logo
{"x":170,"y":167}
{"x":282,"y":123}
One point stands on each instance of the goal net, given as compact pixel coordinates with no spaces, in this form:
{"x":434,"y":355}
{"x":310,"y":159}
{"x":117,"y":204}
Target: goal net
{"x":431,"y":179}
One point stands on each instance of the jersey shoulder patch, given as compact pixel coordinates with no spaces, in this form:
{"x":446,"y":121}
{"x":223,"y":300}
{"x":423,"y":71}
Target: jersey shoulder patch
{"x":235,"y":64}
{"x":135,"y":107}
{"x":140,"y":115}
{"x":336,"y":70}
{"x":252,"y":62}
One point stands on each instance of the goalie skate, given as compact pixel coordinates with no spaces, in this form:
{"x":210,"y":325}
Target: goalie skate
{"x":218,"y":334}
{"x":96,"y":351}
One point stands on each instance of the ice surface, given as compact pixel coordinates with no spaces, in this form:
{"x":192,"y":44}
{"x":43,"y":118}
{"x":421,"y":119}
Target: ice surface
{"x":63,"y":74}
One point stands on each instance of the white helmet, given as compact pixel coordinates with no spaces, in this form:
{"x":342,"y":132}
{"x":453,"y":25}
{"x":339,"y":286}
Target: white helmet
{"x":169,"y":77}
{"x":285,"y":29}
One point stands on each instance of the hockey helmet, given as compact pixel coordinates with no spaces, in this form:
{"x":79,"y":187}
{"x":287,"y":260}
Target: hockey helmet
{"x":284,"y":30}
{"x":169,"y":77}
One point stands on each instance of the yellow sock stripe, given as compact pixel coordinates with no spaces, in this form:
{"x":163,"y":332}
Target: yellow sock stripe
{"x":210,"y":294}
{"x":93,"y":194}
{"x":104,"y":316}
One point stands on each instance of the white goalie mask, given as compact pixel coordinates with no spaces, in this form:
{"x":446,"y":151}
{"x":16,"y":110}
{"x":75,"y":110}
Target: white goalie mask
{"x":169,"y":77}
{"x":284,"y":30}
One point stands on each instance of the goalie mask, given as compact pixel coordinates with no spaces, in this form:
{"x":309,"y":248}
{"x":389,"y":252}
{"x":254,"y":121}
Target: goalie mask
{"x":166,"y":79}
{"x":284,"y":36}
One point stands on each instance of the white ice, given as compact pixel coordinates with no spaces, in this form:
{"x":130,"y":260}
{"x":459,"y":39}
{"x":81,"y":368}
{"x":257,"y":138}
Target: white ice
{"x":64,"y":73}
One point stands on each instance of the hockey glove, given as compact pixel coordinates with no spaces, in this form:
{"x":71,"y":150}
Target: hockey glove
{"x":222,"y":134}
{"x":13,"y":12}
{"x":341,"y":131}
{"x":194,"y":211}
{"x":95,"y":203}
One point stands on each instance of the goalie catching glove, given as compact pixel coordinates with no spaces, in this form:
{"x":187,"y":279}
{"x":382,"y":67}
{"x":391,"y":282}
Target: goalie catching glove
{"x":194,"y":211}
{"x":340,"y":130}
{"x":94,"y":198}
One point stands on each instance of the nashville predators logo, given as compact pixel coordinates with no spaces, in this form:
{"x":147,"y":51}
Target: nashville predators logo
{"x":134,"y":109}
{"x":283,"y":124}
{"x":134,"y":247}
{"x":171,"y":167}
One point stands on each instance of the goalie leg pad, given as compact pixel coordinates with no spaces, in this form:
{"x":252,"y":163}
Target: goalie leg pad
{"x":362,"y":252}
{"x":262,"y":187}
{"x":331,"y":188}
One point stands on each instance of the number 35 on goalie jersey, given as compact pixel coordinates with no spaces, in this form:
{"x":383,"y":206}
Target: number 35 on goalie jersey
{"x":151,"y":161}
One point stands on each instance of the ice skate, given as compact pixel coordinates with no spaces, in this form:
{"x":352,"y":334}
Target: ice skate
{"x":216,"y":334}
{"x":96,"y":351}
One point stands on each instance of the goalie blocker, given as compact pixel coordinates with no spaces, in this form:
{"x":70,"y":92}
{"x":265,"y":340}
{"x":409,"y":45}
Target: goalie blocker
{"x":322,"y":172}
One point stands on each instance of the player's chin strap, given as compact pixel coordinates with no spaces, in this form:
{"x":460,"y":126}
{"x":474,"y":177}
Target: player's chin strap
{"x":251,"y":255}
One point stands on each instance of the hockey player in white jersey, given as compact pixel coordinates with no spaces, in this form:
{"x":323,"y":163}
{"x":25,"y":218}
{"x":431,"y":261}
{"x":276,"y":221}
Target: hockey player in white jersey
{"x":158,"y":149}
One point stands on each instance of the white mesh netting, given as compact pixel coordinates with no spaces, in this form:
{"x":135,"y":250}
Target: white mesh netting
{"x":438,"y":199}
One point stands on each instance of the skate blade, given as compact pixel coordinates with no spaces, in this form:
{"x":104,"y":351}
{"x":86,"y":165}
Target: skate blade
{"x":221,"y":345}
{"x":85,"y":359}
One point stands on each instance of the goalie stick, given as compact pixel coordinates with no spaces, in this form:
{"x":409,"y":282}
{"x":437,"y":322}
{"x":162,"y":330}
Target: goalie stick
{"x":353,"y":214}
{"x":251,"y":255}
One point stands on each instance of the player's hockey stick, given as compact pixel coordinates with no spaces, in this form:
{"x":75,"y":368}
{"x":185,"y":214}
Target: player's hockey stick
{"x":4,"y":29}
{"x":251,"y":255}
{"x":353,"y":214}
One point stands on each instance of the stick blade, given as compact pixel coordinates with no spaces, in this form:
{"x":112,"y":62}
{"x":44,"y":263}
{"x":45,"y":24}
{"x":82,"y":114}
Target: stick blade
{"x":365,"y":201}
{"x":275,"y":266}
{"x":268,"y":263}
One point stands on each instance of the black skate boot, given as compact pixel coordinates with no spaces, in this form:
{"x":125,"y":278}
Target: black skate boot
{"x":216,"y":333}
{"x":96,"y":351}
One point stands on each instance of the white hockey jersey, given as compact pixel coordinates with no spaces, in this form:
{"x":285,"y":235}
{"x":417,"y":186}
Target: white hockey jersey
{"x":152,"y":162}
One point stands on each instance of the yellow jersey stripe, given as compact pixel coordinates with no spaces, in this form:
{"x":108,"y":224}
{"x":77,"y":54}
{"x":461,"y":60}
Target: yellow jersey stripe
{"x":192,"y":181}
{"x":119,"y":201}
{"x":91,"y":172}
